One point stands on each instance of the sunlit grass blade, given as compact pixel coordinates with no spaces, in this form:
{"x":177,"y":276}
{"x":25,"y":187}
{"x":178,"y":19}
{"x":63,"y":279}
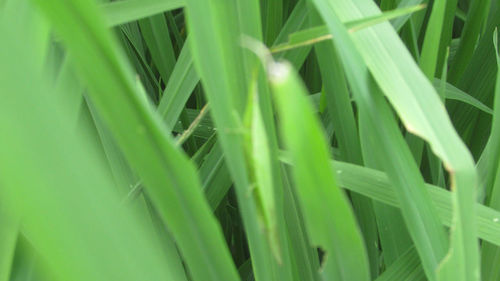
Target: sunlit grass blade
{"x":169,"y":177}
{"x":59,"y":160}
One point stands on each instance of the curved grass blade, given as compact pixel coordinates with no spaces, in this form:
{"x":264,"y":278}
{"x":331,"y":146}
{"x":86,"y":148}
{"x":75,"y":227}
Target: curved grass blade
{"x":423,"y":114}
{"x":453,"y":93}
{"x":423,"y":225}
{"x":94,"y":237}
{"x":170,"y":179}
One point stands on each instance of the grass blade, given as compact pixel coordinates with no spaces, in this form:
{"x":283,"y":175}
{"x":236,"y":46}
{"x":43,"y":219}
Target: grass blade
{"x":491,"y":253}
{"x":430,"y":122}
{"x":169,"y":177}
{"x":337,"y":234}
{"x":120,"y":12}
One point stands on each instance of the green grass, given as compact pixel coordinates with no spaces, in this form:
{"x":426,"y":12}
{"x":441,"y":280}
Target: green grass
{"x":249,"y":140}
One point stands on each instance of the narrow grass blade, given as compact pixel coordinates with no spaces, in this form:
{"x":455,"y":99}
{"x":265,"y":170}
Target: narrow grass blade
{"x":168,"y":175}
{"x":297,"y":20}
{"x":453,"y":93}
{"x":393,"y":233}
{"x":431,"y":46}
{"x":156,"y":35}
{"x":215,"y":176}
{"x":491,"y":253}
{"x":272,"y":17}
{"x":8,"y":238}
{"x":304,"y":256}
{"x":179,"y":88}
{"x":422,"y":223}
{"x":272,"y":194}
{"x":76,"y":242}
{"x":478,"y":10}
{"x":478,"y":81}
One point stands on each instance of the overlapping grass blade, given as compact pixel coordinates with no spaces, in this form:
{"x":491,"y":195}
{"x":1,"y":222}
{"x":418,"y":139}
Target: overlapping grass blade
{"x":156,"y":35}
{"x":272,"y":19}
{"x":297,"y":20}
{"x":423,"y":114}
{"x":478,"y":11}
{"x":344,"y":123}
{"x":394,"y":237}
{"x":321,"y":33}
{"x":76,"y":242}
{"x":169,"y":177}
{"x":491,"y":253}
{"x":423,"y":226}
{"x":431,"y":45}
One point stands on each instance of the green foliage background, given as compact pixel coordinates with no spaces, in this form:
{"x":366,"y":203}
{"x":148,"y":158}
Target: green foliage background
{"x":216,"y":140}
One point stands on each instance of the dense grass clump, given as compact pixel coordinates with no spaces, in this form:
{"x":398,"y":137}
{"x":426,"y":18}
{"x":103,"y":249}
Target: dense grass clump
{"x":217,"y":140}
